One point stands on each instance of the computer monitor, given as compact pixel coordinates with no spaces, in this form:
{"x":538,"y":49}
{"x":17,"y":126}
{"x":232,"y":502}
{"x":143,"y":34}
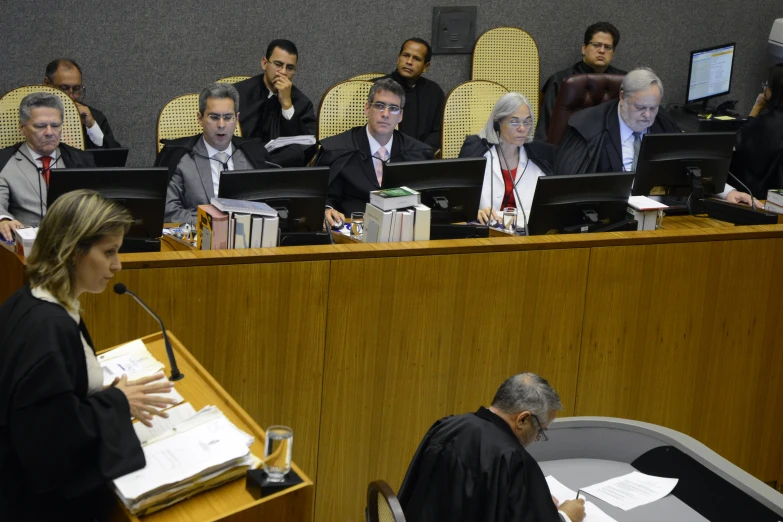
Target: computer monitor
{"x":109,"y":157}
{"x":140,"y":190}
{"x":709,"y":74}
{"x":450,"y":187}
{"x":690,"y":165}
{"x":298,"y":195}
{"x":581,"y":203}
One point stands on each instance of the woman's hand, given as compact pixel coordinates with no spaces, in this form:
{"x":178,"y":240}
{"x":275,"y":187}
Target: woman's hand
{"x":484,"y":213}
{"x":143,"y":398}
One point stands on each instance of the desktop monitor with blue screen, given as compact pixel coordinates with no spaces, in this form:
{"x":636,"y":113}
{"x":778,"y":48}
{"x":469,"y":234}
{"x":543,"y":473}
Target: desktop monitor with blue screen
{"x":709,"y":75}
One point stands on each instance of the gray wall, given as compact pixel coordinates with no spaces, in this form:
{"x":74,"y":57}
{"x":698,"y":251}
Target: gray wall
{"x":138,"y":55}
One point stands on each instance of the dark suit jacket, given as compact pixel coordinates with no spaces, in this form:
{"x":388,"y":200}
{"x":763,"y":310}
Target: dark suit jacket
{"x":109,"y":142}
{"x":758,"y":157}
{"x":592,"y":142}
{"x":352,"y":172}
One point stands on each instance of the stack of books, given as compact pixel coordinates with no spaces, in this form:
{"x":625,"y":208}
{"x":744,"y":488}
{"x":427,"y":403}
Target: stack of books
{"x":233,"y":223}
{"x":396,"y":214}
{"x":774,"y":201}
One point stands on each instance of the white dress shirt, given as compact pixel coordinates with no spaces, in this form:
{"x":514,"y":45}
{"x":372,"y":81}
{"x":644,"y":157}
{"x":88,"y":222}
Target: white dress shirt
{"x":374,"y":146}
{"x":287,"y":113}
{"x":215,"y":165}
{"x":525,"y":180}
{"x":94,"y":371}
{"x":95,"y":134}
{"x":626,"y":139}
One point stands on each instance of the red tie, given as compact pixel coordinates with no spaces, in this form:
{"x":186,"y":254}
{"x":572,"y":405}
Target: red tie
{"x":46,"y":161}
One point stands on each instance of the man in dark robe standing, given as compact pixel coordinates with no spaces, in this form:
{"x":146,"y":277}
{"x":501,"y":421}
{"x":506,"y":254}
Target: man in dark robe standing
{"x":474,"y":467}
{"x":270,"y":105}
{"x":424,"y":98}
{"x":600,"y":42}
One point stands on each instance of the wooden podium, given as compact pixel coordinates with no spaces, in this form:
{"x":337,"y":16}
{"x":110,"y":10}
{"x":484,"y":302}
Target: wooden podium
{"x":230,"y":502}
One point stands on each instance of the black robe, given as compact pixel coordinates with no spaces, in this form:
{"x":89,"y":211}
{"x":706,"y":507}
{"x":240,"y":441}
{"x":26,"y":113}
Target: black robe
{"x":471,"y":468}
{"x":352,"y":172}
{"x":551,"y":89}
{"x":422,"y":117}
{"x":592,"y":141}
{"x":58,"y":447}
{"x":758,"y":156}
{"x":109,"y":142}
{"x":261,"y":116}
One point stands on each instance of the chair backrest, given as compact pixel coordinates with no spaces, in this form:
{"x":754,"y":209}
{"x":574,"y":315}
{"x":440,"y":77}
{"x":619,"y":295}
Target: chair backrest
{"x":179,"y":118}
{"x":580,"y":92}
{"x":233,"y":79}
{"x":509,"y":56}
{"x":382,"y":503}
{"x":72,"y":134}
{"x":342,"y":107}
{"x":467,"y":110}
{"x":367,"y":76}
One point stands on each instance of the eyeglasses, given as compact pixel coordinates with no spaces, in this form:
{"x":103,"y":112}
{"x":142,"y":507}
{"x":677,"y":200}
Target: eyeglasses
{"x":280,"y":65}
{"x":541,"y":432}
{"x":215,"y":118}
{"x":597,"y":46}
{"x":515,"y":124}
{"x":380,"y":107}
{"x":76,"y":90}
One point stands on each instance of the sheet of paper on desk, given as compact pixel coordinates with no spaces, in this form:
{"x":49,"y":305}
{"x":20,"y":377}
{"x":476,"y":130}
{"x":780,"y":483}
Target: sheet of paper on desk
{"x":131,"y":359}
{"x":160,"y":425}
{"x":632,"y":490}
{"x":562,"y":493}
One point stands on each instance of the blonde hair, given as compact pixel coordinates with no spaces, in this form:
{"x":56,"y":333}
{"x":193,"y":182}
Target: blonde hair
{"x":71,"y":226}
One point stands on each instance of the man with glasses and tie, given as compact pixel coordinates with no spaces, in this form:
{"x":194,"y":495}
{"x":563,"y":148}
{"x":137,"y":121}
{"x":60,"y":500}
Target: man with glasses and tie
{"x":195,"y":163}
{"x":66,"y":75}
{"x":26,"y":166}
{"x":272,"y":106}
{"x":356,"y":157}
{"x":600,"y":42}
{"x":475,"y":466}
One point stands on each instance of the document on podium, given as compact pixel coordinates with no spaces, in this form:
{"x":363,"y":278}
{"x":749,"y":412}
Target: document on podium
{"x":131,"y":359}
{"x":562,"y":493}
{"x":632,"y":490}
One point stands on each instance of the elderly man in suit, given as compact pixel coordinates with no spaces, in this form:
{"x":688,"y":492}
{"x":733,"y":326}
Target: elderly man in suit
{"x":196,"y":162}
{"x":26,"y":166}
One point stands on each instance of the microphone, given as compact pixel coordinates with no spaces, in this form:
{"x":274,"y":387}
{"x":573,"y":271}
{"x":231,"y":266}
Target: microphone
{"x":120,"y":289}
{"x":514,"y":186}
{"x":485,"y":142}
{"x":224,"y":165}
{"x":270,"y":164}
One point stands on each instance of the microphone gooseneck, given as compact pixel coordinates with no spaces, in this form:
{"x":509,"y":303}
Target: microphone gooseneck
{"x":176,"y":375}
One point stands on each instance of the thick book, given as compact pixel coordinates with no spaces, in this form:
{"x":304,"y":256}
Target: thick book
{"x":245,"y":207}
{"x":269,"y":236}
{"x":395,"y":198}
{"x":422,"y":223}
{"x":775,"y":196}
{"x":377,"y":224}
{"x":212,"y":228}
{"x":256,"y":232}
{"x":242,"y":230}
{"x":406,"y":228}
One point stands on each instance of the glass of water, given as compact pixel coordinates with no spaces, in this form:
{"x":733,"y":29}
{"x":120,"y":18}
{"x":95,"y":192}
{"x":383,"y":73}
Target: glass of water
{"x":357,"y":225}
{"x":277,"y":452}
{"x":510,"y":219}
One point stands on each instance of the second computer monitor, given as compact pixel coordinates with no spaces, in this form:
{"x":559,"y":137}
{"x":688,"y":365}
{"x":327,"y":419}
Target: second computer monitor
{"x":298,"y":194}
{"x":671,"y":162}
{"x":450,"y":187}
{"x":710,"y":73}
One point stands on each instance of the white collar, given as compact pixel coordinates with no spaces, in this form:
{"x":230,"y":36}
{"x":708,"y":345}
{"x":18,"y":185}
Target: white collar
{"x":625,"y":131}
{"x":45,"y":295}
{"x":37,"y":157}
{"x":211,"y":151}
{"x":374,"y":145}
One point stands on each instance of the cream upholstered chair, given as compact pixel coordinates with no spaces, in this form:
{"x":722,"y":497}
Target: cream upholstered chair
{"x":382,"y":503}
{"x":233,"y":79}
{"x":367,"y":76}
{"x":467,"y":110}
{"x":72,"y":134}
{"x":509,"y":56}
{"x":342,"y":107}
{"x":179,"y":119}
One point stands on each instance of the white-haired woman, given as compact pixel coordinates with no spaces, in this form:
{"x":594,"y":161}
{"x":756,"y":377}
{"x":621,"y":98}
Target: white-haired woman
{"x":514,"y":160}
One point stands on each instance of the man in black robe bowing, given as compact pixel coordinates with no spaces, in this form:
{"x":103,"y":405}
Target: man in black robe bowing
{"x":474,"y":467}
{"x":424,"y":98}
{"x":270,"y":105}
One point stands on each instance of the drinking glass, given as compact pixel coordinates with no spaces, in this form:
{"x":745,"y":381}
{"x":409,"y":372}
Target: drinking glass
{"x":357,"y":225}
{"x":277,"y":452}
{"x":510,"y":219}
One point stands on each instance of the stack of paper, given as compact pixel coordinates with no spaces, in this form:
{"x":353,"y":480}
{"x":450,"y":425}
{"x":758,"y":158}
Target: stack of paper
{"x":306,"y":139}
{"x":203,"y":451}
{"x":632,"y":490}
{"x":562,"y":493}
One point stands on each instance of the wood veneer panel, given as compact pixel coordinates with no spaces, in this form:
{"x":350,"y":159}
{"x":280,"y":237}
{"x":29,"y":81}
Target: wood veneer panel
{"x":411,"y":340}
{"x":688,"y":336}
{"x":258,"y":329}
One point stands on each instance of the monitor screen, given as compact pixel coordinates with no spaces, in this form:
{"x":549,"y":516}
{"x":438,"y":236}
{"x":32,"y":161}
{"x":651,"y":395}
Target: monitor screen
{"x":298,"y":194}
{"x":141,"y":190}
{"x":580,"y":203}
{"x":665,"y":161}
{"x":710,"y":72}
{"x":450,"y":187}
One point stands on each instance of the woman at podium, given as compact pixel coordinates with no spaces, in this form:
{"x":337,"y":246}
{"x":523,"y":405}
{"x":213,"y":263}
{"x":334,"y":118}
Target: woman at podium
{"x":63,"y":434}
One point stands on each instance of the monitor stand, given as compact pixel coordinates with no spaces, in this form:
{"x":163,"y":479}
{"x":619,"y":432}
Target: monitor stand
{"x":696,"y":108}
